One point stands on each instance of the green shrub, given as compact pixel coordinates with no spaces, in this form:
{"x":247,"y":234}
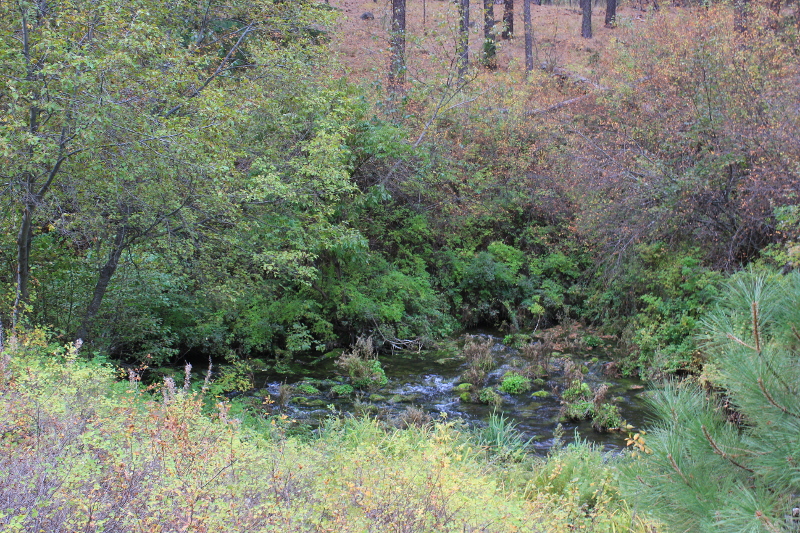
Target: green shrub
{"x":577,"y":410}
{"x":513,"y":383}
{"x":592,"y":341}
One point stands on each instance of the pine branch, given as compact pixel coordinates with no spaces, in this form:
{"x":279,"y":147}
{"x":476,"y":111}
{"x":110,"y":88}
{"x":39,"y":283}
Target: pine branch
{"x":771,"y":400}
{"x":721,"y":453}
{"x":767,"y":522}
{"x":755,"y":327}
{"x":739,"y":341}
{"x":677,"y":469}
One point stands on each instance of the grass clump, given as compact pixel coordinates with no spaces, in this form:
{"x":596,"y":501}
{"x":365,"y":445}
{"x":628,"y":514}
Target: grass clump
{"x":478,"y":353}
{"x":502,"y":439}
{"x":489,"y":396}
{"x":362,"y":367}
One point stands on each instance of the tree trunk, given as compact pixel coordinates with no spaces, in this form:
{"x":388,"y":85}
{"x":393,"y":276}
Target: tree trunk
{"x":397,"y":46}
{"x":508,"y":19}
{"x":611,"y":13}
{"x":526,"y":15}
{"x":24,"y":239}
{"x":740,"y":8}
{"x":586,"y":24}
{"x":489,"y":46}
{"x":103,"y":279}
{"x":463,"y":39}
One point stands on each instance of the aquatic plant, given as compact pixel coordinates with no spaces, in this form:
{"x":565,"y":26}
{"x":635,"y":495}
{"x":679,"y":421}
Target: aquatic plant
{"x":514,"y":383}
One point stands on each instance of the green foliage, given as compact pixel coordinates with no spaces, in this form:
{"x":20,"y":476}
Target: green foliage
{"x":664,"y":293}
{"x":592,"y":341}
{"x":728,"y":462}
{"x":514,"y":383}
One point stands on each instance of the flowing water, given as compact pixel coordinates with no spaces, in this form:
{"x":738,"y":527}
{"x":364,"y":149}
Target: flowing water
{"x":428,"y":381}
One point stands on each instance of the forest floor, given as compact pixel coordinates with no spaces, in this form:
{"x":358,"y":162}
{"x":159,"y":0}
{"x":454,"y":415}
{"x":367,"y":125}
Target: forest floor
{"x":431,"y":36}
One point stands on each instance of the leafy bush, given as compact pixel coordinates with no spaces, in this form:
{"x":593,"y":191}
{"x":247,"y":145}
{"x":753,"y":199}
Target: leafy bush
{"x":513,"y":383}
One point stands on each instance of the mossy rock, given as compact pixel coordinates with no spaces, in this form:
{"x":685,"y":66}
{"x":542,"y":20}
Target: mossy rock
{"x":377,"y":398}
{"x":541,"y":394}
{"x":465,"y":397}
{"x":404,"y":398}
{"x":464,"y":387}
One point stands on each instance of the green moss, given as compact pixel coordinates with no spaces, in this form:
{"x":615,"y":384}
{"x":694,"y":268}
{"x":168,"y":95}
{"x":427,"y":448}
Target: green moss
{"x":306,"y":388}
{"x":342,"y":390}
{"x":540,"y":394}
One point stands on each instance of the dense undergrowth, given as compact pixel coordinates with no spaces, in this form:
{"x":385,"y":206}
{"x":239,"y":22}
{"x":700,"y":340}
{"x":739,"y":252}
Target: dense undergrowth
{"x":82,"y":451}
{"x":274,"y":222}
